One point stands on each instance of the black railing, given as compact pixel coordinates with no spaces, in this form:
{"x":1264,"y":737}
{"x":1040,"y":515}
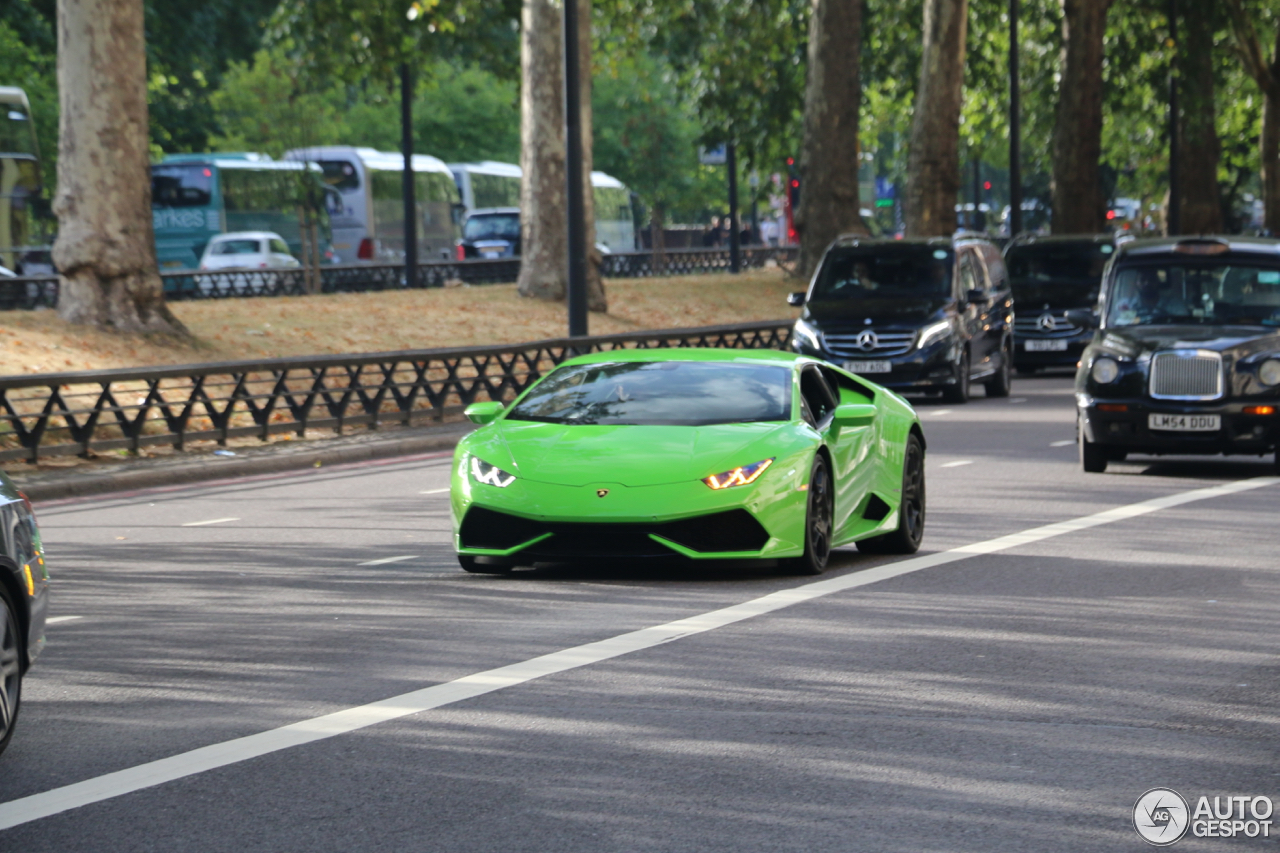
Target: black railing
{"x":55,"y":414}
{"x":28,"y":293}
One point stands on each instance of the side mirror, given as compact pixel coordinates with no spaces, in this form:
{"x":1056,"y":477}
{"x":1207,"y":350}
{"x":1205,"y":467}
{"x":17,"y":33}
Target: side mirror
{"x":483,"y":413}
{"x":457,"y":212}
{"x":854,"y":414}
{"x":1082,"y":317}
{"x":974,"y":296}
{"x":795,"y":300}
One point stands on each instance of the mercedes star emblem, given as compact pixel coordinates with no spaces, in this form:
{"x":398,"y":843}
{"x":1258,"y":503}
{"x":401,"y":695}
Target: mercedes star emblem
{"x":867,"y":341}
{"x":1047,"y":323}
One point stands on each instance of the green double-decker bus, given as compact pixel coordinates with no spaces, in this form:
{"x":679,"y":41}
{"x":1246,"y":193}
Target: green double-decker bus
{"x":197,"y":196}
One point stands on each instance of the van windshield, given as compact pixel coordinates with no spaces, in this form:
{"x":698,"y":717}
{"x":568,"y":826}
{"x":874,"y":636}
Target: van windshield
{"x":1064,"y":274}
{"x":895,"y":271}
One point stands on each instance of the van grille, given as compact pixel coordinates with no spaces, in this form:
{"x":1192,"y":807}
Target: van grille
{"x":1186,"y":375}
{"x":1045,"y":324}
{"x":863,"y":343}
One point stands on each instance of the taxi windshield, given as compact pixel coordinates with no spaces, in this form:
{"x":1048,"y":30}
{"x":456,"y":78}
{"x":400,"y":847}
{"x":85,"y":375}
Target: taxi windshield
{"x":1221,"y":293}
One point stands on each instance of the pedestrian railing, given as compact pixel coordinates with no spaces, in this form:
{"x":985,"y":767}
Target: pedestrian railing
{"x":55,"y":414}
{"x":18,"y":293}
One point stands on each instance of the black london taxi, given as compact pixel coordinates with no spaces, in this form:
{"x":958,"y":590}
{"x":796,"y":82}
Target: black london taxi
{"x":925,"y":315}
{"x":1186,"y":359}
{"x":1050,"y":276}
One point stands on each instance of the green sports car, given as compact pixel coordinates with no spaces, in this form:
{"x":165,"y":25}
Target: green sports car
{"x":701,"y":454}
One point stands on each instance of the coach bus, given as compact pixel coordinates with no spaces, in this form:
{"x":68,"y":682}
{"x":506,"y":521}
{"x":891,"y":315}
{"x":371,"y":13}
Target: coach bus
{"x":197,"y":196}
{"x":370,"y":224}
{"x":20,"y":178}
{"x":489,"y":184}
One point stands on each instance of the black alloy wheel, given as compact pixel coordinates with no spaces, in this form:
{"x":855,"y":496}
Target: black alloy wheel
{"x":911,"y":511}
{"x":473,"y":565}
{"x":959,"y":393}
{"x":819,"y":521}
{"x":10,"y":668}
{"x":1000,"y":384}
{"x":1093,"y":458}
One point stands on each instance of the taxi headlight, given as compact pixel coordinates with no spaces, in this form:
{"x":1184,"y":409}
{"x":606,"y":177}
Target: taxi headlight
{"x":490,"y":475}
{"x":1104,"y":370}
{"x":1269,"y":372}
{"x":738,"y":476}
{"x":933,"y":333}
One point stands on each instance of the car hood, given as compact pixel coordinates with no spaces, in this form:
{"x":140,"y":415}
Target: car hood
{"x":578,"y":455}
{"x":881,"y":312}
{"x":1240,"y":341}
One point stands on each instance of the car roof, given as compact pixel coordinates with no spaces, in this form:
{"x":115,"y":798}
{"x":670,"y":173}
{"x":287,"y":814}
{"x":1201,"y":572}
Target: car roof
{"x":1194,"y":246}
{"x":702,"y":354}
{"x":1060,"y":239}
{"x":246,"y":235}
{"x":851,"y":240}
{"x":493,"y":211}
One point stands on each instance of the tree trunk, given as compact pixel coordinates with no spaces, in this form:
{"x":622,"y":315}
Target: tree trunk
{"x":1200,"y":204}
{"x":829,"y":155}
{"x":933,"y":165}
{"x":596,"y":300}
{"x":544,"y":213}
{"x":1078,"y":205}
{"x":105,"y":252}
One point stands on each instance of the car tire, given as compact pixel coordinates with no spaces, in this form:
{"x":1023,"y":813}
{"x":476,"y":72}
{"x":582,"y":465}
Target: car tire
{"x":10,"y":668}
{"x":1000,"y":384}
{"x":959,"y":393}
{"x":819,"y":520}
{"x":911,"y":511}
{"x":1093,"y":457}
{"x":471,"y":564}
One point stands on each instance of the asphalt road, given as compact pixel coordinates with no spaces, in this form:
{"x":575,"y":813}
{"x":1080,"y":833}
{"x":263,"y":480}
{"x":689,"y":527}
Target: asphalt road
{"x":1019,"y":695}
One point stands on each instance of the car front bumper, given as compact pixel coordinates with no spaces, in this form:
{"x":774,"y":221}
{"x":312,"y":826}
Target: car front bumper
{"x":1129,"y":430}
{"x":1068,"y":357}
{"x":933,"y":368}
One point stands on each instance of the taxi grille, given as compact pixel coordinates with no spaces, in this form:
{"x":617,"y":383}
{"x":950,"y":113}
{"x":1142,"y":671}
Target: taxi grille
{"x":1186,"y":375}
{"x":853,"y":344}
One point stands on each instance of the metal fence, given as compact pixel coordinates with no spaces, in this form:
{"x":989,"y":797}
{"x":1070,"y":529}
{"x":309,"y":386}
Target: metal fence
{"x":16,"y":293}
{"x":54,"y":414}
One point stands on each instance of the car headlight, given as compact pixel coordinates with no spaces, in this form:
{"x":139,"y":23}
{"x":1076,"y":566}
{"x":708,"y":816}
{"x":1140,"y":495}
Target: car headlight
{"x":490,"y":475}
{"x":807,"y":334}
{"x":1269,"y":372}
{"x":1104,"y":370}
{"x":933,"y":333}
{"x":738,"y":476}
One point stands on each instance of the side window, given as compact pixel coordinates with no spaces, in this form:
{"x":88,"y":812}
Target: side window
{"x":818,"y":398}
{"x":968,"y":281}
{"x":996,"y":270}
{"x":842,"y":389}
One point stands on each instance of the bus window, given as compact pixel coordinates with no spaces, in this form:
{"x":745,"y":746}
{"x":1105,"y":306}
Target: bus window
{"x":181,"y":186}
{"x":17,"y":136}
{"x":340,"y":174}
{"x":495,"y":190}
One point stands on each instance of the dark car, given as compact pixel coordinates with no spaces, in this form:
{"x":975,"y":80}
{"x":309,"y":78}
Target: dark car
{"x":913,"y":315}
{"x":491,"y":232}
{"x":24,"y":600}
{"x":1187,"y":356}
{"x":1050,"y":276}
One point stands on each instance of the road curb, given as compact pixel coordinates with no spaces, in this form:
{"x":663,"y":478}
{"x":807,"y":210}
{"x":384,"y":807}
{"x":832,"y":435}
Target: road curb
{"x":274,"y":459}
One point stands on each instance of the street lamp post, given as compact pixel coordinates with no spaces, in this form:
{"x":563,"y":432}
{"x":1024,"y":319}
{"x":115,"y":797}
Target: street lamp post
{"x":1174,"y":221}
{"x":410,"y":202}
{"x":1015,"y":127}
{"x":576,"y":296}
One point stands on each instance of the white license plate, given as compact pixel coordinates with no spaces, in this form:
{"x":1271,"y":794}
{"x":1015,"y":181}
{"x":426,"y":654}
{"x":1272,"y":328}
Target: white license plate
{"x":869,"y":366}
{"x":1046,"y":346}
{"x":490,"y":253}
{"x":1185,"y":423}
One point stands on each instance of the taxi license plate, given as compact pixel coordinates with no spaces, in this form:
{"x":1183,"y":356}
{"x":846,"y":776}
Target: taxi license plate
{"x":869,"y":366}
{"x":1185,"y":423}
{"x":1046,"y":346}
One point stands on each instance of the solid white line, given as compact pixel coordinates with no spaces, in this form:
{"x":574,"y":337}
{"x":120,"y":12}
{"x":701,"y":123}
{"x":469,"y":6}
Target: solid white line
{"x":386,"y":560}
{"x":956,"y":464}
{"x":1018,"y":400}
{"x":941,"y":412}
{"x":434,"y":491}
{"x":54,"y":619}
{"x":1066,"y":443}
{"x":97,"y":789}
{"x":210,"y":521}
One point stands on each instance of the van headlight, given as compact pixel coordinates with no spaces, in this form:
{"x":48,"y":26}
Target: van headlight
{"x":933,"y":333}
{"x":1269,"y":372}
{"x":807,"y":335}
{"x":1104,"y":370}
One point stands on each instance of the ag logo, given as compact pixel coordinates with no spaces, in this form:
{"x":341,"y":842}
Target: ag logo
{"x":1161,"y":816}
{"x":601,"y":492}
{"x":867,"y":341}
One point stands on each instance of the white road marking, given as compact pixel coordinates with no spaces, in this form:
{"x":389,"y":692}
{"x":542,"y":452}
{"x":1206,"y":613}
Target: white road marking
{"x":1066,"y":443}
{"x":386,"y":560}
{"x":956,"y":464}
{"x":1018,"y":400}
{"x":143,"y":776}
{"x":940,"y":412}
{"x":210,"y":521}
{"x":434,"y":491}
{"x":55,"y":619}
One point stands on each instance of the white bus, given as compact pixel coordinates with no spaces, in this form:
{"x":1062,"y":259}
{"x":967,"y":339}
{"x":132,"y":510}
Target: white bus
{"x":370,"y":226}
{"x":490,"y":184}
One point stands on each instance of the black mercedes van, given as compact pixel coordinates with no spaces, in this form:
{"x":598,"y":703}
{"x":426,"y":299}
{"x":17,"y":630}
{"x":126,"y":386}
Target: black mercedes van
{"x":912,"y":315}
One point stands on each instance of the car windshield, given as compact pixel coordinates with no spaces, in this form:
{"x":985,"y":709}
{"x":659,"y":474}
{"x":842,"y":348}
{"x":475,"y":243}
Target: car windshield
{"x":663,"y":393}
{"x":236,"y":247}
{"x":888,"y":270}
{"x":1195,"y":293}
{"x":1066,"y":274}
{"x":503,"y":226}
